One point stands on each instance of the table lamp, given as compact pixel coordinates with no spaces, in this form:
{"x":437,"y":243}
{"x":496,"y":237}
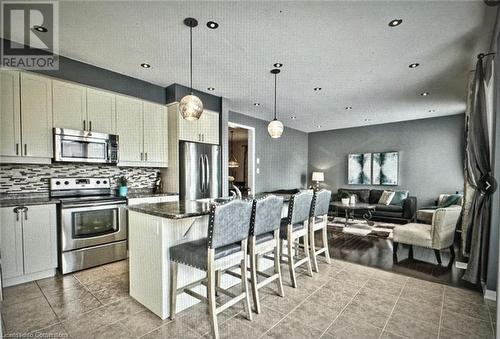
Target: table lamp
{"x":318,"y":177}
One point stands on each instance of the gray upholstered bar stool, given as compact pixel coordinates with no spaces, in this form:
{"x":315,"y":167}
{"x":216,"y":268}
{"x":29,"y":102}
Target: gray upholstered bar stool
{"x":225,"y":247}
{"x":264,"y":238}
{"x":294,"y":227}
{"x":318,"y":222}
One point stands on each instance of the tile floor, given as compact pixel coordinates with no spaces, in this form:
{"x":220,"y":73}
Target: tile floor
{"x":343,"y":301}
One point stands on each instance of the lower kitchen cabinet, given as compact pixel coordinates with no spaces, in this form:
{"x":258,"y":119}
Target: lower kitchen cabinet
{"x":28,"y":243}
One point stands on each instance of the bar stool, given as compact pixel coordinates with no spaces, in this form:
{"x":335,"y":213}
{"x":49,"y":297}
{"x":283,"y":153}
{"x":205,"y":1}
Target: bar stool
{"x":295,"y":227}
{"x":318,"y":221}
{"x":225,"y":247}
{"x":264,"y":238}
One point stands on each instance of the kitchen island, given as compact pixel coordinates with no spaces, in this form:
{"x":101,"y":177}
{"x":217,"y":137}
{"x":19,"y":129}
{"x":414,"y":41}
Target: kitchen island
{"x":153,"y":229}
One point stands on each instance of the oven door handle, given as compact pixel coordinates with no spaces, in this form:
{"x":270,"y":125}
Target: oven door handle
{"x":96,"y":204}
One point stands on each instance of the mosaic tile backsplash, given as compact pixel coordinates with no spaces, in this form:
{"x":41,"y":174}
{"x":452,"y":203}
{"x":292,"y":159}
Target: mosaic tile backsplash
{"x":35,"y":178}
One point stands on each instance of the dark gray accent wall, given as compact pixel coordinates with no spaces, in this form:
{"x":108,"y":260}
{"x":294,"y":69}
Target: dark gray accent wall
{"x":430,"y":154}
{"x":283,"y":161}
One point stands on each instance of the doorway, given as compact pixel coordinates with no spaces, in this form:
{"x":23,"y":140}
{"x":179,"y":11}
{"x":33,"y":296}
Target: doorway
{"x":241,"y":159}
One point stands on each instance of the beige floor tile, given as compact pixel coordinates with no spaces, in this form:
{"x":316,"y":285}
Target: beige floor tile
{"x":479,"y":311}
{"x":28,"y":316}
{"x":463,"y":295}
{"x":123,"y":308}
{"x":56,"y":296}
{"x":236,"y":328}
{"x":113,"y":331}
{"x":53,"y":331}
{"x":197,"y":319}
{"x":265,"y":320}
{"x":426,"y":286}
{"x":355,"y":278}
{"x":75,"y":307}
{"x":421,"y":311}
{"x":58,"y":283}
{"x":291,"y":328}
{"x":92,"y":274}
{"x":328,"y":298}
{"x":396,"y":279}
{"x":108,"y":296}
{"x":347,"y":326}
{"x":21,"y":293}
{"x":86,"y":323}
{"x":416,"y":294}
{"x":141,"y":323}
{"x":408,"y":326}
{"x":372,"y":307}
{"x":111,"y":282}
{"x":446,"y":333}
{"x":173,"y":329}
{"x":118,"y":267}
{"x":316,"y":317}
{"x":389,"y":335}
{"x":465,"y":324}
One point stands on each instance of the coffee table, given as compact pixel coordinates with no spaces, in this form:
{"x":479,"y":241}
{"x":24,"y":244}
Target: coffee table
{"x":350,"y":209}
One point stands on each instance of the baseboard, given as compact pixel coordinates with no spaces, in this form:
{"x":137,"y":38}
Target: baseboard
{"x":490,"y":294}
{"x":29,"y":277}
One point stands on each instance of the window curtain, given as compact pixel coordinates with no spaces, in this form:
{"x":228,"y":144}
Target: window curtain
{"x":478,"y":171}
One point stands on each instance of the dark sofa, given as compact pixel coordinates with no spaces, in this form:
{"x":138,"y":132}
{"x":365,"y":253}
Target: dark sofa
{"x":404,"y":213}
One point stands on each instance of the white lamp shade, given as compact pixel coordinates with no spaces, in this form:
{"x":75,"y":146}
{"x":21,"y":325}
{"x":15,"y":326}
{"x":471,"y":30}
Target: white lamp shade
{"x":190,"y":107}
{"x":275,"y":128}
{"x":318,"y":176}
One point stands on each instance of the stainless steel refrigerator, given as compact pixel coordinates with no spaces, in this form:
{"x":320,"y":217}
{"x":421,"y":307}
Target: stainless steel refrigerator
{"x":199,"y":171}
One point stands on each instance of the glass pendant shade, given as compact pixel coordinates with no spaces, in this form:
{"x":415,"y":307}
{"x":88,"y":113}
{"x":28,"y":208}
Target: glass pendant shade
{"x":233,"y":164}
{"x":190,"y":107}
{"x":275,"y":128}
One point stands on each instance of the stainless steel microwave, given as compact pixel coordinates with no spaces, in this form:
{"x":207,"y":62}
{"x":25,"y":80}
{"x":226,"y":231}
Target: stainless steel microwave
{"x":85,"y":146}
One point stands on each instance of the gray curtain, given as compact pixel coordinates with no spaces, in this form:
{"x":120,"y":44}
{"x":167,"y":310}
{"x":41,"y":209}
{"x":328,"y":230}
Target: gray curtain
{"x":478,"y":159}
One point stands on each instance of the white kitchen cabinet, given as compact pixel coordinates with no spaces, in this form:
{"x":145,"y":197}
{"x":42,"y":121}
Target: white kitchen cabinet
{"x":204,"y":130}
{"x":155,"y":133}
{"x":130,"y":130}
{"x":188,"y":130}
{"x":142,"y":128}
{"x":28,"y":241}
{"x":36,"y":116}
{"x":10,"y":114}
{"x":69,"y":104}
{"x":101,"y":115}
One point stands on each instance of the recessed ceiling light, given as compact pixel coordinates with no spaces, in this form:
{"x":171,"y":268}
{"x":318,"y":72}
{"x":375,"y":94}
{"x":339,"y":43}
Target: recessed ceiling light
{"x":424,"y":94}
{"x":145,"y":65}
{"x":432,"y":111}
{"x":319,"y":126}
{"x":293,"y":118}
{"x":317,"y":89}
{"x":256,"y":104}
{"x":212,"y":25}
{"x":40,"y":29}
{"x":211,"y":89}
{"x":278,"y":65}
{"x":395,"y":22}
{"x":368,"y":120}
{"x":348,"y":108}
{"x":415,"y":65}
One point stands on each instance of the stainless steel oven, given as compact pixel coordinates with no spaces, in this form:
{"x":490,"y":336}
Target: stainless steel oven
{"x":92,"y":223}
{"x":85,"y":146}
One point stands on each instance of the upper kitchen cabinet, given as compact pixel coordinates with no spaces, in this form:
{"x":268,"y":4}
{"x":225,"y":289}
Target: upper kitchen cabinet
{"x":101,"y":111}
{"x":81,"y":108}
{"x":10,"y":114}
{"x":142,"y":129}
{"x":204,"y":130}
{"x":26,"y":116}
{"x":69,"y":105}
{"x":36,"y":116}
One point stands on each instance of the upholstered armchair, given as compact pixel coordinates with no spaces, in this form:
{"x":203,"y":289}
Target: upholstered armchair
{"x":425,"y":215}
{"x":438,"y":235}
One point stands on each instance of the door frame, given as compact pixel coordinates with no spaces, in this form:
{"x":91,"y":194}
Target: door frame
{"x":251,"y":152}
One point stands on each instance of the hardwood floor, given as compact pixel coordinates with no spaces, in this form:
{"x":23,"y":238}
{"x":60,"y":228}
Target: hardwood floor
{"x":377,"y":252}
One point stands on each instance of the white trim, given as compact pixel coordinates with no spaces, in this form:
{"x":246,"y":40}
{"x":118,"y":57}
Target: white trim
{"x":29,"y":277}
{"x":251,"y":153}
{"x":490,"y":294}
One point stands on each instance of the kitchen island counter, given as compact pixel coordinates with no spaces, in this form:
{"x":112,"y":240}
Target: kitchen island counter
{"x":174,"y":209}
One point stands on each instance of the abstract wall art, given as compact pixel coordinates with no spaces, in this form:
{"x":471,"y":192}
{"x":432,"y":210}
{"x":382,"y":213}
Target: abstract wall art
{"x":359,"y":169}
{"x":385,"y":168}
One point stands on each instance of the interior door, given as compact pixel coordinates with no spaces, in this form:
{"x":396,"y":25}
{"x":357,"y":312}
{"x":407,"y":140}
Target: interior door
{"x":11,"y":243}
{"x":69,"y":104}
{"x":36,"y":115}
{"x":129,"y":128}
{"x":155,"y":134}
{"x":101,"y":111}
{"x":10,"y":114}
{"x":39,"y":238}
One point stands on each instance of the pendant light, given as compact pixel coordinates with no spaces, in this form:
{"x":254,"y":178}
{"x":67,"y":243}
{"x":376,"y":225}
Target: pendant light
{"x":233,"y":163}
{"x":275,"y":127}
{"x":190,"y":106}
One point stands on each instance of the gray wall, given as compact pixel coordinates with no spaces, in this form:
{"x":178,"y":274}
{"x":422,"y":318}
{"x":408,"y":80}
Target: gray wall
{"x":283,"y":161}
{"x":430,"y":154}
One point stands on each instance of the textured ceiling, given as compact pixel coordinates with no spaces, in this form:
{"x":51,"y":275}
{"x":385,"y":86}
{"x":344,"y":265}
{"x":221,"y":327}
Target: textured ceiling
{"x":346,"y":48}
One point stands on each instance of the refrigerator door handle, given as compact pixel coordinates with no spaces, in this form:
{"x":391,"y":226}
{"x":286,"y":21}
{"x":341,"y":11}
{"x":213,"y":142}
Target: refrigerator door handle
{"x":202,"y":173}
{"x":207,"y":173}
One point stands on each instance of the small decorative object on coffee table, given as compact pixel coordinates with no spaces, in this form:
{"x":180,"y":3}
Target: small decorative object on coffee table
{"x":350,"y":209}
{"x":345,"y":198}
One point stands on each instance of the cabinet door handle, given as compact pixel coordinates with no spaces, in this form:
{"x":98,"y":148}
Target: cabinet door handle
{"x":25,"y":149}
{"x":17,"y":149}
{"x":90,"y":125}
{"x":16,"y":210}
{"x":84,"y":125}
{"x":142,"y":156}
{"x":146,"y":156}
{"x":25,"y":210}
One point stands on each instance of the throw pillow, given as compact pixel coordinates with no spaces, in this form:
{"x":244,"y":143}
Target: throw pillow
{"x":399,"y":196}
{"x":386,"y":198}
{"x":452,"y":199}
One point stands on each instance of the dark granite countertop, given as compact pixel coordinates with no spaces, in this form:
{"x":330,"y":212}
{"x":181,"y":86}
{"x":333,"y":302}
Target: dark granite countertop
{"x":174,"y":209}
{"x":26,"y":199}
{"x":137,"y":195}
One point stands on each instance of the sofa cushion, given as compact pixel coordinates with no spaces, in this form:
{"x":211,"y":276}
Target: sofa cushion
{"x":413,"y":234}
{"x":375,"y":196}
{"x":389,"y":208}
{"x":386,"y":198}
{"x":398,"y":198}
{"x":362,"y":194}
{"x":388,"y":214}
